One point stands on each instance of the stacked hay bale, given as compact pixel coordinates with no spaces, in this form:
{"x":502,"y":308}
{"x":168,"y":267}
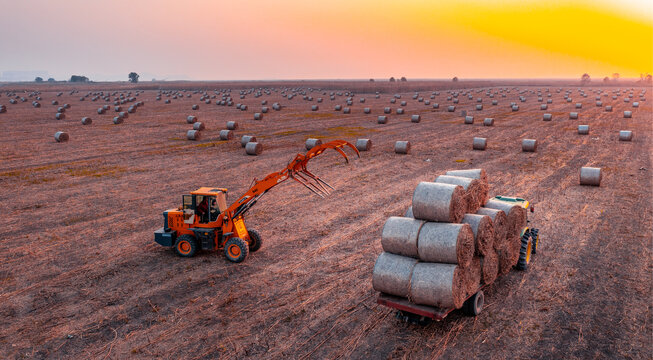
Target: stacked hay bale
{"x":446,"y":246}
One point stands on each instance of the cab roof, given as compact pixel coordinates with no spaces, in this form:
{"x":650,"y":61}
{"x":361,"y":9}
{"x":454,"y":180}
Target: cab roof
{"x":208,"y":191}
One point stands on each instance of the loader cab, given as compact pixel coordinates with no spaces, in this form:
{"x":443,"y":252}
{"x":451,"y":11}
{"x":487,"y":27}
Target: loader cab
{"x":204,"y":205}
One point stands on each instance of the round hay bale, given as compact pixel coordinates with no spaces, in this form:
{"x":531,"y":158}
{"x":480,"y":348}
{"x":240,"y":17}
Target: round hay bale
{"x":516,"y":215}
{"x":337,"y":108}
{"x":400,"y":111}
{"x":117,"y":120}
{"x":625,"y":135}
{"x":470,"y":173}
{"x":579,"y":106}
{"x":86,"y":121}
{"x":440,"y":285}
{"x":253,"y":148}
{"x":399,"y":236}
{"x":117,"y":109}
{"x":123,"y":114}
{"x":100,"y":111}
{"x":475,"y":190}
{"x":628,"y":114}
{"x":315,"y":108}
{"x":367,"y":110}
{"x":547,"y":117}
{"x":573,"y":115}
{"x":191,"y":119}
{"x":363,"y":144}
{"x":393,"y":101}
{"x":193,"y":135}
{"x":415,"y":118}
{"x":489,"y":267}
{"x":436,"y":105}
{"x":243,"y":107}
{"x":495,"y":102}
{"x":226,"y":134}
{"x":61,"y":136}
{"x":198,"y":126}
{"x":258,"y":116}
{"x":472,"y":277}
{"x":479,"y":143}
{"x":608,"y":108}
{"x":387,"y":110}
{"x":246,"y":139}
{"x":451,"y":108}
{"x":439,"y":202}
{"x":590,"y":176}
{"x":232,"y":125}
{"x":515,"y":108}
{"x":402,"y":147}
{"x":583,"y":129}
{"x":599,"y":104}
{"x":382,"y":119}
{"x":311,"y":143}
{"x":529,"y":145}
{"x":483,"y":230}
{"x":636,"y":104}
{"x":479,"y":107}
{"x":392,"y":274}
{"x":59,"y":116}
{"x":264,"y":109}
{"x":195,"y":107}
{"x":469,"y":119}
{"x":509,"y":254}
{"x":543,"y":107}
{"x":488,"y":122}
{"x":446,"y":243}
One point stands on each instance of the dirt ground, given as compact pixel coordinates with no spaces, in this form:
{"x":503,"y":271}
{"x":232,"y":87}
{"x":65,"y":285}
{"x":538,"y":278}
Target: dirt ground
{"x":81,"y":277}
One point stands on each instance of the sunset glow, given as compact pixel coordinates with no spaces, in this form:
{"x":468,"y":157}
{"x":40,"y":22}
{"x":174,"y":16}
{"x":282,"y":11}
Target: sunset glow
{"x":293,"y":39}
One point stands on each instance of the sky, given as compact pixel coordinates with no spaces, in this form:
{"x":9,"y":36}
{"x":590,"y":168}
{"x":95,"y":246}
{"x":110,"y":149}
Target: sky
{"x":334,"y":39}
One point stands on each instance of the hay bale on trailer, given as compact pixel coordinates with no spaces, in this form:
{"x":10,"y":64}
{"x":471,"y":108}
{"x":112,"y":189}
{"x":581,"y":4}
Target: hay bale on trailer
{"x":515,"y":215}
{"x":392,"y":274}
{"x":400,"y":234}
{"x":439,"y":202}
{"x":475,"y":190}
{"x":441,"y":285}
{"x":445,"y":243}
{"x":483,"y":230}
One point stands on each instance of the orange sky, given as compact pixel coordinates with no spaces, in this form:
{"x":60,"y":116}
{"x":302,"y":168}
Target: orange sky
{"x":295,"y":39}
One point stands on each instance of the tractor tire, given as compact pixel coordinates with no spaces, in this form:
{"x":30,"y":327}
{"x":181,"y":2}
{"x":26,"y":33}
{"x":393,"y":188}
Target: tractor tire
{"x":535,"y":239}
{"x":474,"y":305}
{"x":525,"y":251}
{"x":236,"y":250}
{"x":255,"y":240}
{"x":186,"y":246}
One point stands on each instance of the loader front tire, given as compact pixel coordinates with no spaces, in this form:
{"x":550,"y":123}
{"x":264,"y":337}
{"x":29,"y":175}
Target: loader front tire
{"x":255,"y":240}
{"x":186,"y":246}
{"x":525,"y":252}
{"x":236,"y":250}
{"x":535,"y":239}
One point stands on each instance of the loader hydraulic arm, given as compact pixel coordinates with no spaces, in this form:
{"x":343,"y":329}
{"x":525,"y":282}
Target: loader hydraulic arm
{"x":295,"y":170}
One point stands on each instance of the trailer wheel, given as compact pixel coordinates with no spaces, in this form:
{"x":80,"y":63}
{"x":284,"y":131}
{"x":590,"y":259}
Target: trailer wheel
{"x":236,"y":250}
{"x":186,"y":246}
{"x":474,"y":305}
{"x":535,"y":239}
{"x":525,"y":251}
{"x":255,"y":240}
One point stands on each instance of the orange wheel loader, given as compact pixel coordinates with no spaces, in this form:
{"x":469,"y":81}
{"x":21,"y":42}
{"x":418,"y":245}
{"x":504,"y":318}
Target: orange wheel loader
{"x":206,"y":222}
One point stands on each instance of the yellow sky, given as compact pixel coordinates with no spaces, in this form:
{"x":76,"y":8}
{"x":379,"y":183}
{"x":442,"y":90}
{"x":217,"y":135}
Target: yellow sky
{"x":286,"y":39}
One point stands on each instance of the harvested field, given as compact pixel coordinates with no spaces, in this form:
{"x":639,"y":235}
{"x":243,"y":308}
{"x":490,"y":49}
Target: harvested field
{"x":81,"y":277}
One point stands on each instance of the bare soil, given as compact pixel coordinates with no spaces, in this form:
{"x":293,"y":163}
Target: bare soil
{"x":81,"y":277}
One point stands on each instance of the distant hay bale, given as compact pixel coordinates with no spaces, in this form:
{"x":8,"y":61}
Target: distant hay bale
{"x":573,"y":115}
{"x":529,"y":145}
{"x":363,"y":144}
{"x":258,"y":116}
{"x":86,"y":121}
{"x":246,"y":139}
{"x":232,"y":125}
{"x":628,"y":114}
{"x":625,"y":135}
{"x":253,"y":148}
{"x":515,"y":108}
{"x":191,"y":119}
{"x":382,"y":119}
{"x":579,"y":106}
{"x":346,"y":110}
{"x":488,"y":122}
{"x":590,"y":176}
{"x":469,"y":119}
{"x":311,"y":143}
{"x":193,"y":135}
{"x":195,"y":107}
{"x":547,"y":117}
{"x":198,"y":126}
{"x":583,"y":129}
{"x":402,"y":147}
{"x":479,"y":143}
{"x":226,"y":134}
{"x":451,"y":108}
{"x":479,"y":107}
{"x":387,"y":110}
{"x":315,"y":108}
{"x":367,"y":110}
{"x":436,"y":105}
{"x":543,"y":107}
{"x":59,"y":116}
{"x":117,"y":120}
{"x":61,"y":136}
{"x":608,"y":108}
{"x":415,"y":118}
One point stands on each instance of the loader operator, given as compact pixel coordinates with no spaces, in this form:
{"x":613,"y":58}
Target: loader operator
{"x":205,"y":213}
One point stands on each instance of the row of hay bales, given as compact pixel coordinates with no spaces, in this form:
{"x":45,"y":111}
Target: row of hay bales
{"x":452,"y":241}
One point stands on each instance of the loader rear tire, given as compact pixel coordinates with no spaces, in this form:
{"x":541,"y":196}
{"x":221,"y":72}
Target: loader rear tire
{"x":236,"y":250}
{"x":535,"y":239}
{"x":186,"y":246}
{"x":255,"y":240}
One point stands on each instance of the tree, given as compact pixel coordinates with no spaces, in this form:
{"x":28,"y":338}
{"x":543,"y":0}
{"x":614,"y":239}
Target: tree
{"x":133,"y":77}
{"x":371,"y":80}
{"x":78,"y":78}
{"x":51,"y":80}
{"x":585,"y":79}
{"x":392,"y":79}
{"x":615,"y":76}
{"x":403,"y":78}
{"x":606,"y":79}
{"x":38,"y":79}
{"x":649,"y":78}
{"x":455,"y":79}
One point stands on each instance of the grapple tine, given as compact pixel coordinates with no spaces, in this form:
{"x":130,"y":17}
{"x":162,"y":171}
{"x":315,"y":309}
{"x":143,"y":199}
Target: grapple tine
{"x":317,"y":178}
{"x":343,"y":154}
{"x":318,"y":186}
{"x":308,"y":187}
